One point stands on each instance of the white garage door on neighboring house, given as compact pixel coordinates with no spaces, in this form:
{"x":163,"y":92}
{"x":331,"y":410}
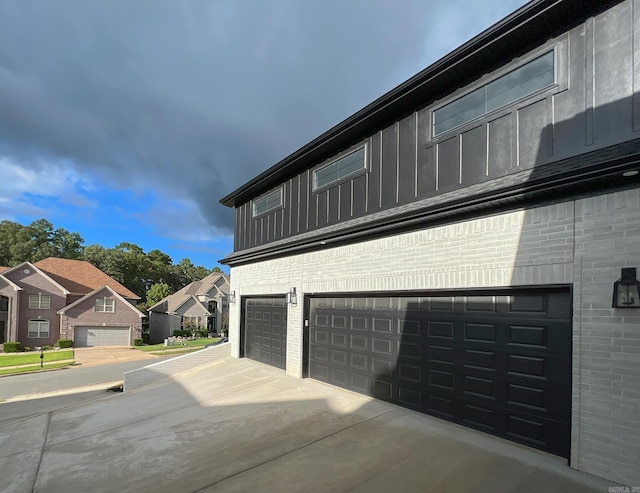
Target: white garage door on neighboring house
{"x":102,"y":336}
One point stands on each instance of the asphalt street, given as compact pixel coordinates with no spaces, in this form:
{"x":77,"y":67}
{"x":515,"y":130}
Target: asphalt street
{"x":64,"y":379}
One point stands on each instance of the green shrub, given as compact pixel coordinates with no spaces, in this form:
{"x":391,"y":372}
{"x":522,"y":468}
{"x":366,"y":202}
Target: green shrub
{"x":46,"y":348}
{"x":138,"y":342}
{"x":27,"y":349}
{"x":64,"y":343}
{"x":203,"y":333}
{"x":11,"y":347}
{"x":177,"y":333}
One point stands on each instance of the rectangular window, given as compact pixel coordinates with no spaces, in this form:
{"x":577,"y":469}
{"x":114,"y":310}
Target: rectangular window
{"x":4,"y":304}
{"x":517,"y":84}
{"x":267,"y":203}
{"x":105,"y":305}
{"x":39,"y":301}
{"x":38,"y":329}
{"x":346,"y":165}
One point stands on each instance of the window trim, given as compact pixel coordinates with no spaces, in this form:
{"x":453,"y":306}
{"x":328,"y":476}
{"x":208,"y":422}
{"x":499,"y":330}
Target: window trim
{"x":39,"y":298}
{"x":559,"y":83}
{"x":265,"y":196}
{"x":38,"y":322}
{"x":104,"y":305}
{"x":335,"y":160}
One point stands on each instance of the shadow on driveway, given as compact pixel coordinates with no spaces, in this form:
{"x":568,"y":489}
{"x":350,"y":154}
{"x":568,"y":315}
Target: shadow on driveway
{"x":237,"y":425}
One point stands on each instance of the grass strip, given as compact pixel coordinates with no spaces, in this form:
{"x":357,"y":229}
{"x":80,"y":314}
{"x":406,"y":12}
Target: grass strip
{"x":196,"y":343}
{"x":26,"y":369}
{"x":34,"y":357}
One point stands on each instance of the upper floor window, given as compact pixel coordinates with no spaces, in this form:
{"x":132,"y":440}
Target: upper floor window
{"x":105,"y":305}
{"x":346,"y":165}
{"x":4,"y":304}
{"x":38,"y":328}
{"x":268,"y":202}
{"x":40,"y":301}
{"x":511,"y":87}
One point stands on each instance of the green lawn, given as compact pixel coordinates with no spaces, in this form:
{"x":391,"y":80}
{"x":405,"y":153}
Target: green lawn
{"x":15,"y":359}
{"x":188,"y":346}
{"x":47,"y":366}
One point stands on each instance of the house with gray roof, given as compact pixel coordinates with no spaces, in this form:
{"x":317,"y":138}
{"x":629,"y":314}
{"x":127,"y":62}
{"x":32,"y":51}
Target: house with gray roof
{"x":203,"y":302}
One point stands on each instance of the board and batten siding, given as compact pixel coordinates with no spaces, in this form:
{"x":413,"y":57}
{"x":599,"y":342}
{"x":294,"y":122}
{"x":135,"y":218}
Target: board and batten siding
{"x":593,"y":104}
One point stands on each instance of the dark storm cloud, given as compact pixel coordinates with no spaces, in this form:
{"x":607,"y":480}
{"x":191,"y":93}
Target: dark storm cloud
{"x":192,"y":98}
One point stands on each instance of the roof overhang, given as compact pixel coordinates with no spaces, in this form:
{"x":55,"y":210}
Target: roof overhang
{"x":527,"y":27}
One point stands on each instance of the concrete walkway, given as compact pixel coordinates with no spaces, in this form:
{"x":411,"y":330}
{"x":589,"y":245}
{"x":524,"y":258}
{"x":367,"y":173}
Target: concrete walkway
{"x":237,"y":425}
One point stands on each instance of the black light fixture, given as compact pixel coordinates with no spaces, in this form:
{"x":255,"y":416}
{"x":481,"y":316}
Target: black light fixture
{"x":292,"y":297}
{"x":232,"y":297}
{"x":626,"y":290}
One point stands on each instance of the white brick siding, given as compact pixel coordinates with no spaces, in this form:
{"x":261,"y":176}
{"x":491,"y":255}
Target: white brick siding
{"x":583,"y":243}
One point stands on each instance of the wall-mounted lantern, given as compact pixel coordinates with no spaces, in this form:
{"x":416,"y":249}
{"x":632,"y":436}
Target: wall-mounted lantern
{"x":292,"y":297}
{"x":626,"y":290}
{"x":232,"y":297}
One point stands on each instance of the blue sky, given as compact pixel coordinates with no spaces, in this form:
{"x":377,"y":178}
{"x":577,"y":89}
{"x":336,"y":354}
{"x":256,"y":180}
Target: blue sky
{"x":128,"y":121}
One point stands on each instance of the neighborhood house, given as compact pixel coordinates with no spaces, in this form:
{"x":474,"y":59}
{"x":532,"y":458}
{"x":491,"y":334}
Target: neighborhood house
{"x":55,"y":298}
{"x":453,"y":246}
{"x":202,"y":304}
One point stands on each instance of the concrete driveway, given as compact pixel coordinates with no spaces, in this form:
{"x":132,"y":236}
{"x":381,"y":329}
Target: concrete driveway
{"x":106,"y":355}
{"x":237,"y":425}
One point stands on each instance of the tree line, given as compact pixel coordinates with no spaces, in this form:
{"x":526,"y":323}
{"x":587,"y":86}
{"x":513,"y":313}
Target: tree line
{"x":151,"y":275}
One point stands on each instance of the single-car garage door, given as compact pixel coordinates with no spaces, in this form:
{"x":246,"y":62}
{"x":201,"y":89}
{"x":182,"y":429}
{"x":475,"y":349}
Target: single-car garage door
{"x":498,"y":362}
{"x":101,"y":336}
{"x":265,"y":330}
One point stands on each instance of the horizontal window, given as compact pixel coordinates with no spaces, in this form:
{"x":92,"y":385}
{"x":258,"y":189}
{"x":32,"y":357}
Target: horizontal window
{"x":38,"y":328}
{"x":39,"y":301}
{"x":337,"y":170}
{"x":517,"y":84}
{"x":105,"y":305}
{"x":267,"y":202}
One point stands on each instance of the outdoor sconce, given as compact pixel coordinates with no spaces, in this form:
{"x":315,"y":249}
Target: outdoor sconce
{"x":292,"y":297}
{"x":626,"y":290}
{"x":232,"y":297}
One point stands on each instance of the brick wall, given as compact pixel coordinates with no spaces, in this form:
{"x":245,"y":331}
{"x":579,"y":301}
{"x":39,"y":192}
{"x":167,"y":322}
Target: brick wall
{"x":84,"y":314}
{"x":157,"y":372}
{"x":606,"y":341}
{"x":583,"y":243}
{"x":33,"y":283}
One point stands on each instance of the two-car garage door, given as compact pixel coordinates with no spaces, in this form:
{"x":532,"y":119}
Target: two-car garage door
{"x":496,"y":362}
{"x":102,"y":336}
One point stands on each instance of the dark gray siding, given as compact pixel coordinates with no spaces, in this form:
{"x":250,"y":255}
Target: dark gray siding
{"x":594,"y":104}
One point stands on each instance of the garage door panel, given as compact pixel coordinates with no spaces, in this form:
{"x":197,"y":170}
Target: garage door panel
{"x":265,"y":330}
{"x":101,"y":336}
{"x":500,"y":363}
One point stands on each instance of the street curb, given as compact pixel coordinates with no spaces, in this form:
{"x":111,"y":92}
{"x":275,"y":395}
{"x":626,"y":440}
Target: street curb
{"x":76,"y":390}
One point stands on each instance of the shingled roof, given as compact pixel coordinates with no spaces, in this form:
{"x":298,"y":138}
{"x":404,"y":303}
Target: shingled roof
{"x":203,"y":286}
{"x":80,"y":277}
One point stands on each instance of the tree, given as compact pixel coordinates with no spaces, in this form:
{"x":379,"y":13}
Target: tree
{"x":185,"y":273}
{"x":157,"y":292}
{"x":36,"y":241}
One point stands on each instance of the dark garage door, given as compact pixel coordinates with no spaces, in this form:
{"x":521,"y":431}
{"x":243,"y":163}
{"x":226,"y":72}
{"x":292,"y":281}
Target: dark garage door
{"x":265,"y":330}
{"x":500,"y":363}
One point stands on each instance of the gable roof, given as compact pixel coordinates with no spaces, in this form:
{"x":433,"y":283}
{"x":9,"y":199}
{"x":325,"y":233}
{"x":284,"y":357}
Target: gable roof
{"x":10,"y":283}
{"x":96,"y":291}
{"x":39,"y":271}
{"x":509,"y":38}
{"x":81,"y":277}
{"x":215,"y":280}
